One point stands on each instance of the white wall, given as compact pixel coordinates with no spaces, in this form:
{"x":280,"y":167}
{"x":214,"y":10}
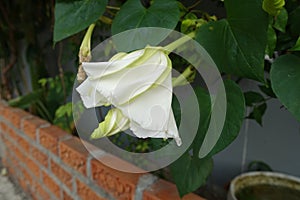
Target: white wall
{"x":277,"y":143}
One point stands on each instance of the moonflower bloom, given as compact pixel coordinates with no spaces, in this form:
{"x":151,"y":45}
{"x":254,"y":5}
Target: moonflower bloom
{"x":138,"y":87}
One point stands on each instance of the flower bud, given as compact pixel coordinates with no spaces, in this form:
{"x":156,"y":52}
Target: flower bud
{"x":139,"y":86}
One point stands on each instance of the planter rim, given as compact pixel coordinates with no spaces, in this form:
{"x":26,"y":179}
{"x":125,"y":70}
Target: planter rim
{"x":278,"y":175}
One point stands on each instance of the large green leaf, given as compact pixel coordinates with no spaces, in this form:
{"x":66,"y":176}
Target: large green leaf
{"x":190,"y":172}
{"x":258,"y":112}
{"x":162,"y":13}
{"x":257,"y":101}
{"x":234,"y":116}
{"x":74,"y":16}
{"x":205,"y":116}
{"x":272,"y":39}
{"x":285,"y":78}
{"x":253,"y":98}
{"x":294,"y":21}
{"x":237,"y":44}
{"x":281,"y":20}
{"x":296,"y":47}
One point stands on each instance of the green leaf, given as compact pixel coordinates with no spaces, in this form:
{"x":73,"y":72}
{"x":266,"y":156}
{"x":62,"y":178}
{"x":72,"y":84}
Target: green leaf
{"x":27,"y":100}
{"x":285,"y":73}
{"x":176,"y":110}
{"x":205,"y":116}
{"x":237,"y":44}
{"x":272,"y":39}
{"x":259,"y":166}
{"x":281,"y":20}
{"x":253,"y":98}
{"x":267,"y":89}
{"x":297,"y":46}
{"x":191,"y":23}
{"x":190,"y":172}
{"x":63,"y":117}
{"x":234,"y":116}
{"x":74,"y":16}
{"x":162,"y":13}
{"x":258,"y":112}
{"x":273,"y":7}
{"x":294,"y":21}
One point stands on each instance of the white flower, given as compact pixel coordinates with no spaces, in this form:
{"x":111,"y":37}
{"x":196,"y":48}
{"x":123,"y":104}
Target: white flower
{"x":138,"y":86}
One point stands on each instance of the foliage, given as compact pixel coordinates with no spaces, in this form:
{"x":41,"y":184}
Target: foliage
{"x":256,"y":39}
{"x":74,"y":16}
{"x":47,"y":100}
{"x":238,"y":44}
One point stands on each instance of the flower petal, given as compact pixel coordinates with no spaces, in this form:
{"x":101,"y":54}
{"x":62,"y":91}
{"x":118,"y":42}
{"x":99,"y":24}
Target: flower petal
{"x":96,"y":70}
{"x":137,"y":80}
{"x":151,"y":110}
{"x":113,"y":123}
{"x":89,"y":95}
{"x":170,"y":130}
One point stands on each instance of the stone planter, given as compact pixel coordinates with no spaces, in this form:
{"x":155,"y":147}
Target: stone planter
{"x":264,"y":185}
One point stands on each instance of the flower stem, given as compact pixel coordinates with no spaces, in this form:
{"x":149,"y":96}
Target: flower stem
{"x":172,"y":46}
{"x":183,"y":78}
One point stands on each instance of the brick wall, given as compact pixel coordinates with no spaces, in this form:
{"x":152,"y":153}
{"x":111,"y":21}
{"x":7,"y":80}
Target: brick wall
{"x":49,"y":163}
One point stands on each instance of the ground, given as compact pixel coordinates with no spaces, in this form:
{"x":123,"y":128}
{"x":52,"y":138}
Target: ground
{"x":9,"y":190}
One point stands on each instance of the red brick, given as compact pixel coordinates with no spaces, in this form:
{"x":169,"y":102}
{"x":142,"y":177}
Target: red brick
{"x":50,"y":136}
{"x":12,"y":164}
{"x":116,"y":163}
{"x":31,"y":125}
{"x":34,"y":168}
{"x":34,"y":196}
{"x":3,"y":127}
{"x":51,"y":185}
{"x":7,"y":143}
{"x":162,"y":190}
{"x":73,"y":153}
{"x":23,"y":184}
{"x":62,"y":174}
{"x":86,"y":193}
{"x":120,"y":184}
{"x":43,"y":194}
{"x":66,"y":196}
{"x":14,"y":115}
{"x":39,"y":156}
{"x":26,"y":176}
{"x":11,"y":133}
{"x":23,"y":144}
{"x":20,"y":154}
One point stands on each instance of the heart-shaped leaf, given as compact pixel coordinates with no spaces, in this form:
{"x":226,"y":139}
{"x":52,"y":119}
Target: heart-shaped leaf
{"x":74,"y":16}
{"x":237,"y":44}
{"x":162,"y":13}
{"x":190,"y":172}
{"x":235,"y":113}
{"x":285,"y":73}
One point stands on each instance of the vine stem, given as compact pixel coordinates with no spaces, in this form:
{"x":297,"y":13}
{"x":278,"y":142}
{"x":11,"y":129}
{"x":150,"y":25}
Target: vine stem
{"x":113,"y":8}
{"x":182,"y":78}
{"x":172,"y":46}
